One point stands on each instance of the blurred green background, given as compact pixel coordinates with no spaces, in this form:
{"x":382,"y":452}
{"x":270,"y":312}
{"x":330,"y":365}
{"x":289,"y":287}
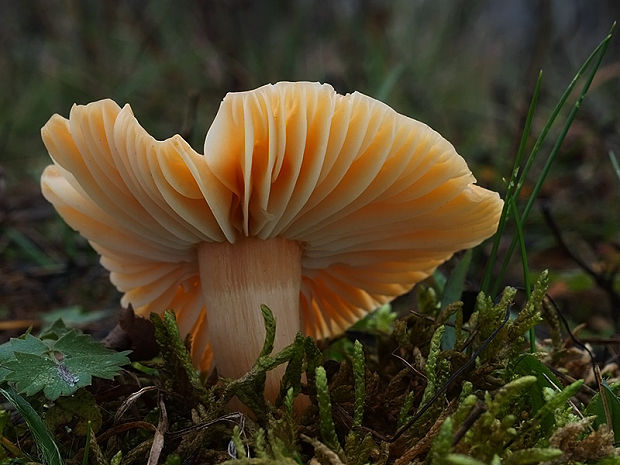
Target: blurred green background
{"x":465,"y":67}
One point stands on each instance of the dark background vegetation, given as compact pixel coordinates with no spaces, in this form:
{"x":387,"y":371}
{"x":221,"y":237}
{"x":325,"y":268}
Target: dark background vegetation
{"x":466,"y":67}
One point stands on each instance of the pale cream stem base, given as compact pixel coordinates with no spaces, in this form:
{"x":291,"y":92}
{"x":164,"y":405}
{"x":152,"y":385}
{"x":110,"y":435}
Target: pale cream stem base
{"x":236,"y":279}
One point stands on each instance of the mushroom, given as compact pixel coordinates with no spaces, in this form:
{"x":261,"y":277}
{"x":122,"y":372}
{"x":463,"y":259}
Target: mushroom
{"x":321,"y":206}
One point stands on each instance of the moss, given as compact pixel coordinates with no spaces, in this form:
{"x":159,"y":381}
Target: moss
{"x":400,"y":398}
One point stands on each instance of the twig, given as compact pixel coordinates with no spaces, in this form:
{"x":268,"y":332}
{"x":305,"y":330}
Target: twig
{"x":569,"y":379}
{"x":575,"y":409}
{"x":478,"y":409}
{"x":604,"y":281}
{"x":409,"y":365}
{"x":235,"y":417}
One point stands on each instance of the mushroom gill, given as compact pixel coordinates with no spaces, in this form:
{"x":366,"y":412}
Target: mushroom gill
{"x":322,"y":206}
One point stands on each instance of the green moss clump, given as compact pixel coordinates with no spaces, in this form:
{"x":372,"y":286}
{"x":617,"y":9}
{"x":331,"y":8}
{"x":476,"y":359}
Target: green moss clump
{"x":410,"y":395}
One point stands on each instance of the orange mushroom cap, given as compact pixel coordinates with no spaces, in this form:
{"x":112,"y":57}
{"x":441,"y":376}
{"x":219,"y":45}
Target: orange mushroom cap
{"x":375,"y":199}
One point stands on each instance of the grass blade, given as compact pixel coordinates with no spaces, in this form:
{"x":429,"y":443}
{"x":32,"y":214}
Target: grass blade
{"x":42,"y":437}
{"x":511,"y":186}
{"x":87,"y":445}
{"x":456,"y":281}
{"x":452,"y":292}
{"x":597,"y":54}
{"x":526,"y":270}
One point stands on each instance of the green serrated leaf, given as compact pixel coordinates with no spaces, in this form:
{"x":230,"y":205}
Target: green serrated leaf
{"x":59,"y":368}
{"x":55,"y":330}
{"x":28,"y":345}
{"x":6,"y":352}
{"x":33,"y":373}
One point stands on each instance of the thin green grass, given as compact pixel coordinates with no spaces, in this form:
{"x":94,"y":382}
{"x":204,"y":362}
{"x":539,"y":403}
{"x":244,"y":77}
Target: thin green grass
{"x":510,"y":188}
{"x":87,"y":445}
{"x":513,"y":190}
{"x":41,"y":435}
{"x":526,"y":268}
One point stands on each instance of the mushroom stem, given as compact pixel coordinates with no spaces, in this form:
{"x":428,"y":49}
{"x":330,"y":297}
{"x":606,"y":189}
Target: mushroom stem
{"x":236,"y":279}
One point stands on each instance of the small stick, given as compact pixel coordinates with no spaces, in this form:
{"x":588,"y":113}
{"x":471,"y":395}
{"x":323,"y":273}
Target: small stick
{"x":478,"y":409}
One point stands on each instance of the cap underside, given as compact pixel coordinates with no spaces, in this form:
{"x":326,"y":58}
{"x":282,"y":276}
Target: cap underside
{"x":377,"y":200}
